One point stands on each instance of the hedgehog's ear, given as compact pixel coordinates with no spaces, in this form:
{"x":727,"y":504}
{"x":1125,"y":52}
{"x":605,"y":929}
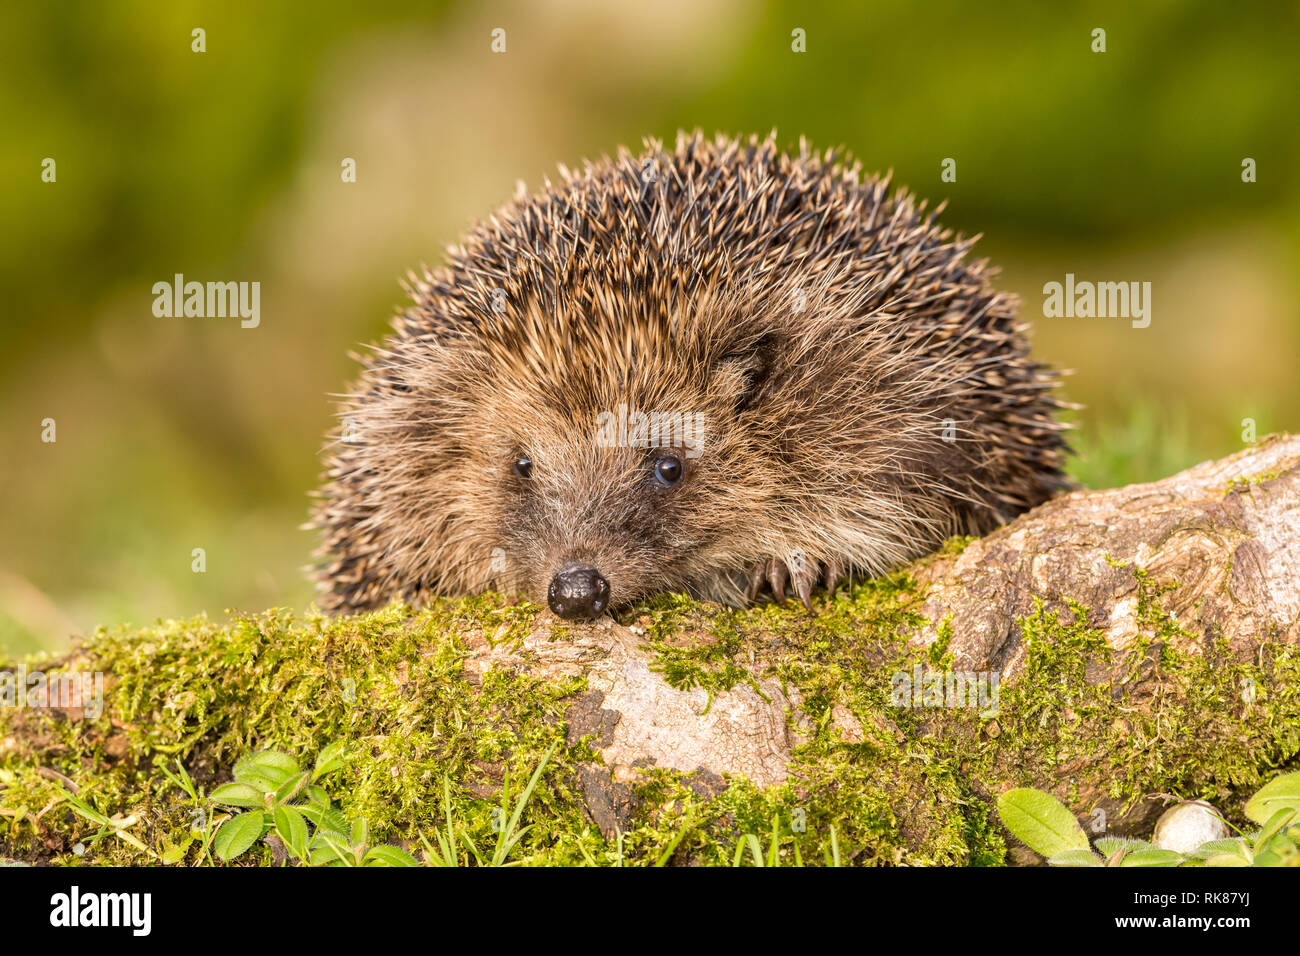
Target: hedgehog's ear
{"x":749,"y":369}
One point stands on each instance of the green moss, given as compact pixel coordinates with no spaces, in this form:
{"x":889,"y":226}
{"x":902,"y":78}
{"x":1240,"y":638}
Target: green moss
{"x":708,"y":660}
{"x":1245,"y":483}
{"x":1204,"y":725}
{"x":939,"y":656}
{"x":896,"y":785}
{"x":956,"y":544}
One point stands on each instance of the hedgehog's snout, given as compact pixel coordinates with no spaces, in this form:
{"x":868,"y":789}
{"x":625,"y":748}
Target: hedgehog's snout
{"x":578,"y":590}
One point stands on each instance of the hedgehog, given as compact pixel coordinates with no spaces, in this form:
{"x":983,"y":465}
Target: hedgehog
{"x":720,"y":370}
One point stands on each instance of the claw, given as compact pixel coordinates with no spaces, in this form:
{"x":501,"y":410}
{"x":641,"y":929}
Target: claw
{"x":799,"y":572}
{"x":803,"y":574}
{"x":776,"y":577}
{"x":834,"y":572}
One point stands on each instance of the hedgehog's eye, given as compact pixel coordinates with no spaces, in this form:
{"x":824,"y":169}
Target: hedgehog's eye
{"x":524,"y":466}
{"x":669,"y":470}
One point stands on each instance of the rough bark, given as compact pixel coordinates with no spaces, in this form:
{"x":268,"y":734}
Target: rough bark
{"x":1226,"y":533}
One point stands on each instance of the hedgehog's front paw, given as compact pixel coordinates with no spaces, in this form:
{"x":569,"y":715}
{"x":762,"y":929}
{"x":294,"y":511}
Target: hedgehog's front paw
{"x":797,"y":570}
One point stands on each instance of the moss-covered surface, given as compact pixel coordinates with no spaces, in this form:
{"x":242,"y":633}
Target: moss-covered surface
{"x":896,"y":785}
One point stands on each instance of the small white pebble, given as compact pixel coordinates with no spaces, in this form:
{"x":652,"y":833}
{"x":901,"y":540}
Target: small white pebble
{"x":1185,"y":826}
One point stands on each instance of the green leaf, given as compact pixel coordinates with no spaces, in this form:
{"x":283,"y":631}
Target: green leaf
{"x":238,"y":795}
{"x":261,"y":782}
{"x":1152,"y":858}
{"x":1279,"y":793}
{"x":85,"y":810}
{"x":1109,"y":846}
{"x":360,"y":832}
{"x":1216,"y":847}
{"x":1266,"y":857}
{"x":508,"y":836}
{"x":1041,"y":822}
{"x":238,"y":833}
{"x":329,"y":760}
{"x":270,"y":760}
{"x":323,"y":855}
{"x":833,"y":851}
{"x":1276,"y":822}
{"x":387,"y":855}
{"x":671,"y":848}
{"x":1076,"y":858}
{"x":1287,"y":841}
{"x":317,"y":797}
{"x":174,"y":853}
{"x":1227,"y":859}
{"x":327,"y":847}
{"x":324,"y":818}
{"x":291,"y":788}
{"x":472,"y":847}
{"x":266,"y":769}
{"x":292,"y":828}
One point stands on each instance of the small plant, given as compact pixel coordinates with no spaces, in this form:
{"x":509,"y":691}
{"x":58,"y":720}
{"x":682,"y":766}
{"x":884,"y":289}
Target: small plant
{"x":117,"y":825}
{"x":751,"y":842}
{"x":1043,"y":824}
{"x":447,"y":853}
{"x":174,"y":850}
{"x":284,"y":802}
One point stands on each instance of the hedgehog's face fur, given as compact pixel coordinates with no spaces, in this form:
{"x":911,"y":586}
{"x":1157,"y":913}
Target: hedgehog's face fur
{"x":600,"y":466}
{"x":825,"y":384}
{"x":612,"y":461}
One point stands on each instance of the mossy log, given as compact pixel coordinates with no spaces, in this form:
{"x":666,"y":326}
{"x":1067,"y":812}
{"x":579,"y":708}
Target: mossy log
{"x":1118,"y":648}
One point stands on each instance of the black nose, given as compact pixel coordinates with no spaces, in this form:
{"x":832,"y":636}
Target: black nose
{"x":578,"y":591}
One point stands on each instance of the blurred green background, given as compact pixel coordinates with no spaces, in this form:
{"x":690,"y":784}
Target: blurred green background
{"x":175,"y":434}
